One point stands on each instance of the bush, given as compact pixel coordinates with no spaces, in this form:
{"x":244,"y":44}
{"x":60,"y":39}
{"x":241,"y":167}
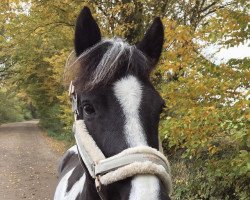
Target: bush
{"x":12,"y":109}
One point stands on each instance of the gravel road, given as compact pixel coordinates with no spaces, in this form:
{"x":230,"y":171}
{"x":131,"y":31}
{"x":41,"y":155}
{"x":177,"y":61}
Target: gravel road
{"x":28,"y":165}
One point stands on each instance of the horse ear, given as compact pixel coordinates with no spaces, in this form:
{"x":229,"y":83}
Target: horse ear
{"x":151,"y":44}
{"x":87,"y":32}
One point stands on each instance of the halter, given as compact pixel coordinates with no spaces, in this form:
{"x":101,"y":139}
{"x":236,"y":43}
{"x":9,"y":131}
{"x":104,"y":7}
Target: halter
{"x":128,"y":163}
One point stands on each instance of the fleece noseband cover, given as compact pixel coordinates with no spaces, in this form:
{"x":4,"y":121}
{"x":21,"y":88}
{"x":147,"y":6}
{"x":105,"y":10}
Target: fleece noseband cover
{"x":128,"y":163}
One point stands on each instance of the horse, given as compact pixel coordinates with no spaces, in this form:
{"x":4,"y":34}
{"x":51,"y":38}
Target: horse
{"x":119,"y":106}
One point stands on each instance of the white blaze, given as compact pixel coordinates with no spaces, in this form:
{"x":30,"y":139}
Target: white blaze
{"x":128,"y":91}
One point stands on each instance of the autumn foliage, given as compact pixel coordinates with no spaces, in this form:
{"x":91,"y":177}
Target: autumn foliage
{"x":205,"y":125}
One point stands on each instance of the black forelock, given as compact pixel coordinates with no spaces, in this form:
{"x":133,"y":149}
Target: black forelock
{"x":108,"y":61}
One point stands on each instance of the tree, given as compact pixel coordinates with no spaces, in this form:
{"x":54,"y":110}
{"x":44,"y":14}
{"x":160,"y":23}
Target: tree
{"x":205,"y":124}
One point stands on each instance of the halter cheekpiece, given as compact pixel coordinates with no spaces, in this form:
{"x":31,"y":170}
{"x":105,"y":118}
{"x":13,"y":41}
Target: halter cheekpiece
{"x":128,"y":163}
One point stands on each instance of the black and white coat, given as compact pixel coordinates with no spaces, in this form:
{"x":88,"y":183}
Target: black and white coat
{"x":119,"y":105}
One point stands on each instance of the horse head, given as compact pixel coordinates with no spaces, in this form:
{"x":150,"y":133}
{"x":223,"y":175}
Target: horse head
{"x":116,"y":99}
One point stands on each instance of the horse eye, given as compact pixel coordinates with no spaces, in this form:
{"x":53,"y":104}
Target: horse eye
{"x":88,"y":109}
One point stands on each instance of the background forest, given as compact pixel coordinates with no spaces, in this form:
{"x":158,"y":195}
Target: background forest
{"x":205,"y":126}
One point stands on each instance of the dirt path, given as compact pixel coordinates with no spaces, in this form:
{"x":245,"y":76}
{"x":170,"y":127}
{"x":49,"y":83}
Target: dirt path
{"x":28,"y":165}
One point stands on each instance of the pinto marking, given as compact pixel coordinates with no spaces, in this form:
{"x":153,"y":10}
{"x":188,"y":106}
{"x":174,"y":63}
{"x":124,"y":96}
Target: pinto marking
{"x":128,"y":91}
{"x":73,"y":149}
{"x":61,"y":190}
{"x":62,"y":186}
{"x":76,"y":189}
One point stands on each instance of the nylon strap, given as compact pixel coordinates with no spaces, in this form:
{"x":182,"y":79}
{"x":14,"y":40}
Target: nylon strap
{"x":87,"y":147}
{"x":111,"y":164}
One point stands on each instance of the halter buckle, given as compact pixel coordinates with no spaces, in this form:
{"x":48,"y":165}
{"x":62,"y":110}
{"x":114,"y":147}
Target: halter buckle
{"x":73,"y":97}
{"x":74,"y":103}
{"x":71,"y":89}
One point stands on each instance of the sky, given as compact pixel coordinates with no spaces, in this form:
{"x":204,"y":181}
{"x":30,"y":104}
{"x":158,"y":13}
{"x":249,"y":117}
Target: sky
{"x":223,"y":55}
